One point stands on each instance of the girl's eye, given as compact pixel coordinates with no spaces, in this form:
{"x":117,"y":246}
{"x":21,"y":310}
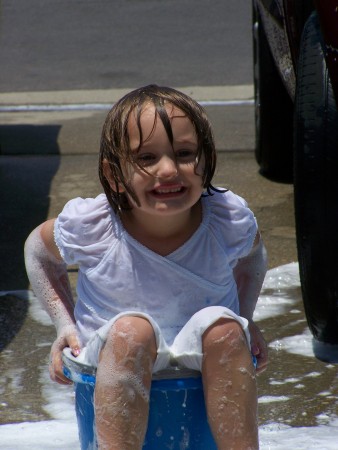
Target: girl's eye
{"x":144,"y":159}
{"x":186,"y":154}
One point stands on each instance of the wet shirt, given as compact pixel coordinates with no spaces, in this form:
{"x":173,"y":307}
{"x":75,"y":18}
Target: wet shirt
{"x":117,"y":273}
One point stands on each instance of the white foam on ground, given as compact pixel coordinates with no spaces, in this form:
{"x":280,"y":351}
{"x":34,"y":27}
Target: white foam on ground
{"x":273,"y":398}
{"x":61,"y":433}
{"x":282,"y":437}
{"x":300,"y":344}
{"x":276,"y":296}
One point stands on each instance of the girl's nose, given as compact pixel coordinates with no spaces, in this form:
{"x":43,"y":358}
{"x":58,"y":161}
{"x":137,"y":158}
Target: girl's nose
{"x":166,"y":167}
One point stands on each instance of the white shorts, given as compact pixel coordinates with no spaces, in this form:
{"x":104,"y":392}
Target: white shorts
{"x":186,"y":349}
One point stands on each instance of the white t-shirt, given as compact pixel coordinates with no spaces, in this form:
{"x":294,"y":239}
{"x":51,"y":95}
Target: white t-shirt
{"x":117,"y":273}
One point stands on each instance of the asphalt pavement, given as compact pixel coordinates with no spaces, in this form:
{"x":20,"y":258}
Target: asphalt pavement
{"x":99,"y":44}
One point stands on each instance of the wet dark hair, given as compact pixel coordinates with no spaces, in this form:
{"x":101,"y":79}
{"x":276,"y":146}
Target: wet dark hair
{"x":115,"y":146}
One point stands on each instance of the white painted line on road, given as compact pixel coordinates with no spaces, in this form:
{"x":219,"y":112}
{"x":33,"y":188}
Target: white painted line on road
{"x":226,"y":102}
{"x":69,"y":107}
{"x":106,"y":97}
{"x":105,"y":106}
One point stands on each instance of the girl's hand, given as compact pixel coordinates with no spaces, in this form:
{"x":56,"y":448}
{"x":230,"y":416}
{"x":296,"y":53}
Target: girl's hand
{"x":67,"y":338}
{"x":258,"y":347}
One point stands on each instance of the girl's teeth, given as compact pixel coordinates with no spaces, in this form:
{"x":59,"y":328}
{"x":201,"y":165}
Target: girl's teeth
{"x":167,"y":191}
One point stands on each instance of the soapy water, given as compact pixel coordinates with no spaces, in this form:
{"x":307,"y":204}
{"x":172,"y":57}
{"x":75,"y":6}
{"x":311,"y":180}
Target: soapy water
{"x":277,"y":298}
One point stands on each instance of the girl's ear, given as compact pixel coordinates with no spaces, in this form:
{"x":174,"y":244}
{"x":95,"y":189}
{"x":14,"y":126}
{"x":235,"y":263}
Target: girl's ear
{"x":109,"y":176}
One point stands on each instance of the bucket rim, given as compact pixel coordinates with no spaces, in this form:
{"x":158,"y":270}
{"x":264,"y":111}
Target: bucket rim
{"x":77,"y":371}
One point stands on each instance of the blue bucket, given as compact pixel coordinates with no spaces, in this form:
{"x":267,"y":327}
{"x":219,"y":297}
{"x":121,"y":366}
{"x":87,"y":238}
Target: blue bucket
{"x":177,"y":415}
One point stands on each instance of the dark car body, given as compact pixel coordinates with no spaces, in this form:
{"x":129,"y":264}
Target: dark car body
{"x":296,"y":93}
{"x":284,"y":21}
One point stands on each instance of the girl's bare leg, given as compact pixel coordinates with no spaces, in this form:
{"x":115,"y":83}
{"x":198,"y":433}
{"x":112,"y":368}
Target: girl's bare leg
{"x":230,"y":387}
{"x":123,"y":384}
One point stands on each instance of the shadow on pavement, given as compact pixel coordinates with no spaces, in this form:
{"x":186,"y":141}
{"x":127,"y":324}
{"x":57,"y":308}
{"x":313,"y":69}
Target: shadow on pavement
{"x":28,"y":162}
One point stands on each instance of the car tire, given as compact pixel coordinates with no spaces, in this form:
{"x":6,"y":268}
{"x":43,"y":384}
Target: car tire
{"x":273,"y":111}
{"x":316,"y":191}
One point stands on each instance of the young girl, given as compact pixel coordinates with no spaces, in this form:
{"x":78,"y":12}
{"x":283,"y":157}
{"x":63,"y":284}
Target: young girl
{"x":170,"y":270}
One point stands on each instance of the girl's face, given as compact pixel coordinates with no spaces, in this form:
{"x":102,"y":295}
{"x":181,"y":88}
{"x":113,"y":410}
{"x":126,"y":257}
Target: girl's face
{"x":169,"y":183}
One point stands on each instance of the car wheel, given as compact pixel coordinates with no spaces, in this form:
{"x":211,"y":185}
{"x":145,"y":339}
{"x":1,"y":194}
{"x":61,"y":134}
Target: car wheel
{"x":273,"y":111}
{"x":316,"y":190}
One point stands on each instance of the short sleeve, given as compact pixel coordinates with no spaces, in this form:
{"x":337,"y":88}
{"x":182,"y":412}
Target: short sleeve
{"x":234,"y":224}
{"x":83,"y":230}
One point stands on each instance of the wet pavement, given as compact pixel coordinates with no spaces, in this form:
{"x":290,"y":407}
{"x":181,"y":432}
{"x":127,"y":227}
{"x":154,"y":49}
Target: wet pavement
{"x":50,"y":157}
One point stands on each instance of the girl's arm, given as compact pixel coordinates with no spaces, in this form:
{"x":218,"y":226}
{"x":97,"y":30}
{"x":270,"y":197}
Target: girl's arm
{"x":48,"y":276}
{"x":249,"y":274}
